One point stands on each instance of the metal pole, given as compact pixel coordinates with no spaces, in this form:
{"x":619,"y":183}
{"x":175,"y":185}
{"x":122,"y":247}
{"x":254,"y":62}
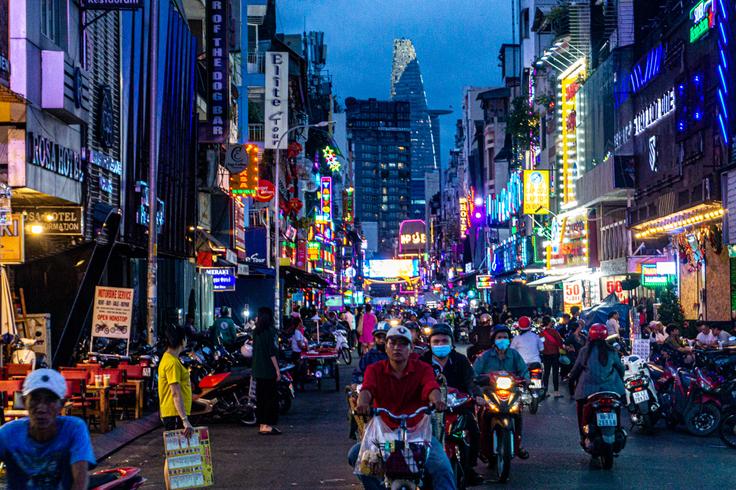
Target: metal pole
{"x":151,"y":297}
{"x":276,"y":238}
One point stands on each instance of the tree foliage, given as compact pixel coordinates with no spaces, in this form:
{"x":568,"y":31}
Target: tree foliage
{"x":670,"y":310}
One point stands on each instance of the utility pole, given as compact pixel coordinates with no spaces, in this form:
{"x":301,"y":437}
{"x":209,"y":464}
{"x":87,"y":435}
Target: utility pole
{"x":151,"y":287}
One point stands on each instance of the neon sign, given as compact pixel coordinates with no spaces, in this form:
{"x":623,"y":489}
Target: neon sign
{"x":324,"y":215}
{"x":245,"y":183}
{"x":331,"y":158}
{"x":567,"y":95}
{"x":508,"y":202}
{"x":703,"y":16}
{"x":464,"y":216}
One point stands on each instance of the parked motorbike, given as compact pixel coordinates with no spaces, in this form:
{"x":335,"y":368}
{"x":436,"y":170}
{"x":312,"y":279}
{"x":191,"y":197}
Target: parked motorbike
{"x":689,"y":398}
{"x":498,"y":421}
{"x":127,"y":478}
{"x":642,"y":400}
{"x":342,"y":346}
{"x":285,"y":388}
{"x":604,"y":437}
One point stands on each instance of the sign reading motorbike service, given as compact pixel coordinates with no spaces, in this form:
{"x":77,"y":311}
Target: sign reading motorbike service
{"x":55,"y":220}
{"x":277,"y":99}
{"x":223,"y":278}
{"x":218,"y":79}
{"x":112,"y":315}
{"x":51,"y":156}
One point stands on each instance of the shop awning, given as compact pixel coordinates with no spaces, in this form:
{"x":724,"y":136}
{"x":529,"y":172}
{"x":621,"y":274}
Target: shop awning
{"x":206,"y":242}
{"x":297,"y":278}
{"x":547,"y":281}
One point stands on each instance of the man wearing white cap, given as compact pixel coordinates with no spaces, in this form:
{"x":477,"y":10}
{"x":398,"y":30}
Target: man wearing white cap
{"x":45,"y":451}
{"x":402,"y":385}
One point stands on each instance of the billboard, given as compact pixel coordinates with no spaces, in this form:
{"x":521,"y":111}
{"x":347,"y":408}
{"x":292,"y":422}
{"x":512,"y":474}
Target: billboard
{"x":412,"y":237}
{"x":391,"y":268}
{"x":217,"y":23}
{"x":536,"y":191}
{"x":483,"y":282}
{"x":277,"y":99}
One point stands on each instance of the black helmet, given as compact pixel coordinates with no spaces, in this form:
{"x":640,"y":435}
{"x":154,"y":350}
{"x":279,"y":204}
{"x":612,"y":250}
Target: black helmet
{"x":498,"y":329}
{"x":412,"y":325}
{"x":441,"y":329}
{"x":225,"y":311}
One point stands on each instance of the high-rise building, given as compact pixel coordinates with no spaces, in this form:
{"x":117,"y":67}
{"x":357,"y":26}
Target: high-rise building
{"x":379,"y":137}
{"x":407,"y":85}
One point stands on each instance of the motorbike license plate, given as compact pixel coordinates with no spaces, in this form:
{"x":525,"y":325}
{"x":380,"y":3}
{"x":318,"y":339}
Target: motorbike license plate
{"x":606,"y":419}
{"x":146,"y":372}
{"x":536,"y":384}
{"x":640,"y":396}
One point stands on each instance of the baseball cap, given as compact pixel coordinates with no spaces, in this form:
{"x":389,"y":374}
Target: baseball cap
{"x":399,"y":331}
{"x":525,"y":323}
{"x":45,"y":379}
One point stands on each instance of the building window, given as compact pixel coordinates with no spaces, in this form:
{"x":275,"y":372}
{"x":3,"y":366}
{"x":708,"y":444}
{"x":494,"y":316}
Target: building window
{"x":51,"y":20}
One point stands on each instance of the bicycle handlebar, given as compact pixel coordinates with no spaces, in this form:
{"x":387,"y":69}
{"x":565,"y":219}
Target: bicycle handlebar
{"x":422,"y":410}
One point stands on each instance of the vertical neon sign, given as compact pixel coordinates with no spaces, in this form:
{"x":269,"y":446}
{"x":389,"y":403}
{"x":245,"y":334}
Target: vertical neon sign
{"x":569,"y":84}
{"x":723,"y":69}
{"x":325,"y":201}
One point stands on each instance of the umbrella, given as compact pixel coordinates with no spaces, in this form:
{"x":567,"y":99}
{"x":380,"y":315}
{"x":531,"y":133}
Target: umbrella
{"x":7,"y":315}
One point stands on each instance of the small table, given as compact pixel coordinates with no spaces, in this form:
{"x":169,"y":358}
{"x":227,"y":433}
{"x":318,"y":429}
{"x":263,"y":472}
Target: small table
{"x":104,"y":408}
{"x":139,"y":385}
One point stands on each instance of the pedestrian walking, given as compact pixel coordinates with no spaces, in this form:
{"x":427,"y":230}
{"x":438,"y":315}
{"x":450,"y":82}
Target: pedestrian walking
{"x":266,"y":372}
{"x":368,"y":323}
{"x":551,"y":355}
{"x":174,"y":385}
{"x":574,"y":343}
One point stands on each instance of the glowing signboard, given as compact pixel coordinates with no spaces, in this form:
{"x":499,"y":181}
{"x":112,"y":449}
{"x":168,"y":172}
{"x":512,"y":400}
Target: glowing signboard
{"x":508,"y":202}
{"x":331,"y":158}
{"x":651,"y":276}
{"x":464,"y":216}
{"x":412,"y":237}
{"x":573,"y":294}
{"x":391,"y":268}
{"x":348,"y":200}
{"x":245,"y":183}
{"x":569,"y":243}
{"x":536,"y":191}
{"x":324,"y":215}
{"x":483,"y":282}
{"x":703,"y":17}
{"x":568,"y":142}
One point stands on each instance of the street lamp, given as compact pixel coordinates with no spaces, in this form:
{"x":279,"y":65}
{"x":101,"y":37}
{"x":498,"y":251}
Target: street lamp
{"x":277,"y":219}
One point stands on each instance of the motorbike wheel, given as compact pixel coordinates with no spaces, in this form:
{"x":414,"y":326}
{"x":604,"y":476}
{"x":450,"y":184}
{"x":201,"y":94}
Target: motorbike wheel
{"x":458,"y":468}
{"x":727,"y":431}
{"x":502,"y":462}
{"x":704,"y":420}
{"x":249,"y":418}
{"x":534,"y":406}
{"x":607,"y":458}
{"x":284,"y":403}
{"x":346,"y":355}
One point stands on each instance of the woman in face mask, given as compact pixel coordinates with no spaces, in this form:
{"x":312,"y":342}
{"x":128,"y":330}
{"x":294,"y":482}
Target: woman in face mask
{"x":501,"y":357}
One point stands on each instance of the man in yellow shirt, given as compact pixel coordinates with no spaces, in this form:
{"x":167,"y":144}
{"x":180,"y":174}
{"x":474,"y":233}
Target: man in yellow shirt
{"x":174,"y":385}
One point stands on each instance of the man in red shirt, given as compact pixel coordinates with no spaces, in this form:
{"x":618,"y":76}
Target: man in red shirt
{"x":402,"y":385}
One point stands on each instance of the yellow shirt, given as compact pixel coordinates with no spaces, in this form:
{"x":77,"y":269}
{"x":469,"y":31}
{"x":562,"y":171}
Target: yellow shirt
{"x":171,"y":371}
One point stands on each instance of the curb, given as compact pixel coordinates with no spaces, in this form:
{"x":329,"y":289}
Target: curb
{"x":107,"y":444}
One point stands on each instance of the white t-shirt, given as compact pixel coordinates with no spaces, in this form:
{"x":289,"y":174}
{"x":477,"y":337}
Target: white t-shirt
{"x":528,"y":345}
{"x":706,"y":338}
{"x":350,"y":318}
{"x":612,"y":326}
{"x":297,"y":340}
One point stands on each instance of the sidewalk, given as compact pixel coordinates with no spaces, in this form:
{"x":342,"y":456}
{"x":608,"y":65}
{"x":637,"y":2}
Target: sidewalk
{"x":126,"y":432}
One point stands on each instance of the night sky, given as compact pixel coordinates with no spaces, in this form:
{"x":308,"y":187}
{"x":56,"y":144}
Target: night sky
{"x":457,"y":43}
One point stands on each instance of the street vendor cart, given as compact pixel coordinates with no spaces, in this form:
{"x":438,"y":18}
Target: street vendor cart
{"x":321,"y":363}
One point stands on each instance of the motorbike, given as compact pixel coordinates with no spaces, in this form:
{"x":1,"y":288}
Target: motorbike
{"x":642,"y":400}
{"x":285,"y":388}
{"x":343,"y":347}
{"x":454,"y":436}
{"x":127,"y":478}
{"x":603,"y":435}
{"x":498,"y":420}
{"x":536,"y":390}
{"x":400,"y":454}
{"x":690,"y":398}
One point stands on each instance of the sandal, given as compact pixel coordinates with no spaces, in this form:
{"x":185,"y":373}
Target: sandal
{"x":273,"y":432}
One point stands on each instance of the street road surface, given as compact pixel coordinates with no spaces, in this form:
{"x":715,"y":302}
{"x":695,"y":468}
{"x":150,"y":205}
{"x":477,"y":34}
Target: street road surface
{"x":311,"y":454}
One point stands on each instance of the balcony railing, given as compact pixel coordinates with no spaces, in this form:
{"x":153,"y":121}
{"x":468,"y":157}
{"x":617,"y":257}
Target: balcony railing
{"x":256,"y":62}
{"x":256,"y":132}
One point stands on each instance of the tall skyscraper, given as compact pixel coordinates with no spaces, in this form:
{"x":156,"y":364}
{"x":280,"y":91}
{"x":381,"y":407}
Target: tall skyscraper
{"x":407,"y":85}
{"x":379,"y":137}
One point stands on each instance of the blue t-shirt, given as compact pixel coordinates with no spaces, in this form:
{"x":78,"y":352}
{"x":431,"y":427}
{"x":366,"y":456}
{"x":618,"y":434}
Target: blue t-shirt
{"x":46,"y":466}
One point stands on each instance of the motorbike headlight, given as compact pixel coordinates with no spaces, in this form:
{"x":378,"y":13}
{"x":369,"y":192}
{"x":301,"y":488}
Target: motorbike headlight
{"x":504,"y":383}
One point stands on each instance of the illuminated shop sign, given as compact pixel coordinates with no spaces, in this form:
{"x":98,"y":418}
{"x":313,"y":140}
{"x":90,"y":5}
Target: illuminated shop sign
{"x":569,"y":244}
{"x":568,"y":142}
{"x":654,"y":112}
{"x":330,"y":157}
{"x":348,"y":199}
{"x":508,"y":202}
{"x":412,"y":237}
{"x":379,"y":269}
{"x":514,"y":254}
{"x":223,"y":278}
{"x":536,"y":191}
{"x":324,"y":215}
{"x":703,"y":17}
{"x":464,"y":216}
{"x":654,"y":276}
{"x":483,"y":282}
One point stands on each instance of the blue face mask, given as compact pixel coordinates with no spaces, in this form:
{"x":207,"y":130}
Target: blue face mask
{"x":503,"y":344}
{"x":441,"y":350}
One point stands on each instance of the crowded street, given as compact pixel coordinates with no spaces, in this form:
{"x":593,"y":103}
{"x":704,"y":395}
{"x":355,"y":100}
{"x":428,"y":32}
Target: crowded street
{"x":377,"y":244}
{"x":312,"y":454}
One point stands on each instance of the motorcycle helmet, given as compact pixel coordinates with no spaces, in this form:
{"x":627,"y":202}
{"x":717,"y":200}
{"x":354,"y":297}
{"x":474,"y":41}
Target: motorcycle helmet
{"x":412,"y":325}
{"x":381,"y":328}
{"x":597,"y":331}
{"x":485,"y":319}
{"x":525,"y":323}
{"x":440,"y":329}
{"x":225,"y":311}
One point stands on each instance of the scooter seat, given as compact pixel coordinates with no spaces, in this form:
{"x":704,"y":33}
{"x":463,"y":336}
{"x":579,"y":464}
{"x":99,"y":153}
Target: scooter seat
{"x":100,"y":479}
